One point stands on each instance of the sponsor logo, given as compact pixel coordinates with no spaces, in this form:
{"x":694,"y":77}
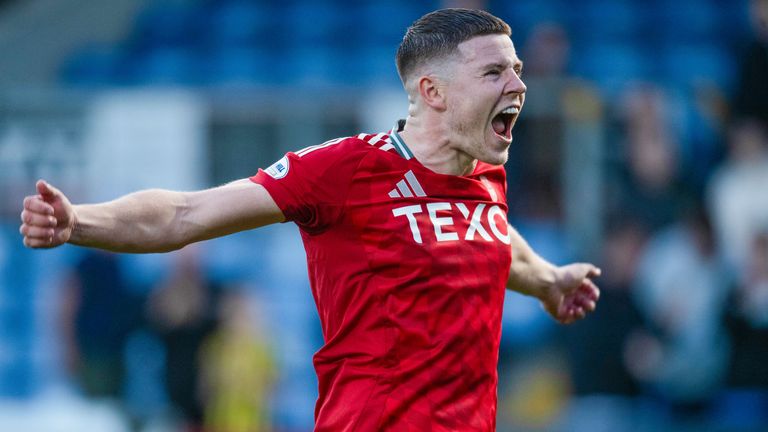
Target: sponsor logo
{"x":479,"y":222}
{"x":278,"y":169}
{"x":451,"y":221}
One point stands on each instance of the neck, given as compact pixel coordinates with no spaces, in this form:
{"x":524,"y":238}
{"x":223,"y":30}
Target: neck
{"x":430,"y":142}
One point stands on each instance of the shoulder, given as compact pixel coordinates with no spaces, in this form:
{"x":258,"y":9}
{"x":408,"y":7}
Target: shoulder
{"x":338,"y":153}
{"x":345,"y":149}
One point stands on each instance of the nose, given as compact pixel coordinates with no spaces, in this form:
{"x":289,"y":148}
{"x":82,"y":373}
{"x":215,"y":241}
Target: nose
{"x":515,"y":84}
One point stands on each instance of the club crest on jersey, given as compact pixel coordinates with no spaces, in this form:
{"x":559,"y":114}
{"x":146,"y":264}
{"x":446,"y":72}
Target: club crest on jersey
{"x":278,"y":169}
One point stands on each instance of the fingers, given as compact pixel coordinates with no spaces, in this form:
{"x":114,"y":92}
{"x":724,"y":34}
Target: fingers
{"x":589,"y":270}
{"x":37,"y":219}
{"x":571,"y":315}
{"x":35,"y":204}
{"x":36,"y":232}
{"x":37,"y":236}
{"x":38,"y":243}
{"x":594,"y":271}
{"x":589,"y":290}
{"x":584,"y":304}
{"x":37,"y":222}
{"x":37,"y":229}
{"x":580,"y":303}
{"x":46,"y":191}
{"x":587,"y":295}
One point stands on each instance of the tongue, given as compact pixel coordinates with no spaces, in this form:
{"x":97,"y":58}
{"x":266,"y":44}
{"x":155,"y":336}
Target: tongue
{"x":499,"y":125}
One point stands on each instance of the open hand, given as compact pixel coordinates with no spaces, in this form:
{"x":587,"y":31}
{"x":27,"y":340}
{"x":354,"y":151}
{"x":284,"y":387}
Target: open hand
{"x":48,"y":218}
{"x":572,"y":295}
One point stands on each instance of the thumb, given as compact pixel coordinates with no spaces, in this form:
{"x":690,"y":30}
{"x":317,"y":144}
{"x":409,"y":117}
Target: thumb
{"x":594,"y":271}
{"x":587,"y":270}
{"x":45,"y":190}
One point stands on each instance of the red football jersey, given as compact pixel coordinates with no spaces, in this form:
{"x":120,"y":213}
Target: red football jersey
{"x":408,"y":268}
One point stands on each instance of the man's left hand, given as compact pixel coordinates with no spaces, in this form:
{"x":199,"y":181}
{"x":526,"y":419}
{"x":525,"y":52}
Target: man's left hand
{"x":572,"y":295}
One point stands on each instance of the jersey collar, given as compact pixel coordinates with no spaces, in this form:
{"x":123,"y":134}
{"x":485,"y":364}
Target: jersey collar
{"x":398,"y":142}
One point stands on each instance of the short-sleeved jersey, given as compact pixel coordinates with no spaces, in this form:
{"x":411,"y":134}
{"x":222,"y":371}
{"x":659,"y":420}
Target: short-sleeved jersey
{"x":408,"y":269}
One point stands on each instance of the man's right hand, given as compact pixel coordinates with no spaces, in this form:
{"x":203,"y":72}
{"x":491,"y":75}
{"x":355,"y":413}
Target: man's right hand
{"x":48,"y":218}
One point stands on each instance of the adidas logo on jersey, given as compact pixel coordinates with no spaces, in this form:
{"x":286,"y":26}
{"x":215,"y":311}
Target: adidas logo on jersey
{"x":407,"y":187}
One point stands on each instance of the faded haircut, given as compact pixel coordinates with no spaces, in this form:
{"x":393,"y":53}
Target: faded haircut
{"x":438,"y":34}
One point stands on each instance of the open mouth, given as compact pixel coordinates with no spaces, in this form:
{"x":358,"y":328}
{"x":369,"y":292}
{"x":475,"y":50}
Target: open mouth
{"x":502,"y":122}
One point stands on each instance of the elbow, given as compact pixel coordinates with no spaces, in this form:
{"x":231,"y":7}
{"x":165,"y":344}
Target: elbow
{"x":168,"y":232}
{"x":181,"y":229}
{"x":157,"y":245}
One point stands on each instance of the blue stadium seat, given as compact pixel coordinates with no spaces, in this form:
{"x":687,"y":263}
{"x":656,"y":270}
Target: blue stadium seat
{"x":524,"y":15}
{"x":241,"y":23}
{"x":376,"y":67}
{"x":166,"y":66}
{"x":684,"y":21}
{"x":600,"y":22}
{"x":734,"y":14}
{"x":94,"y":65}
{"x":385,"y":22}
{"x":311,"y":23}
{"x":315,"y":66}
{"x":19,"y":274}
{"x":684,"y":65}
{"x":741,"y":409}
{"x":612,"y":66}
{"x":168,"y":25}
{"x":240,"y":66}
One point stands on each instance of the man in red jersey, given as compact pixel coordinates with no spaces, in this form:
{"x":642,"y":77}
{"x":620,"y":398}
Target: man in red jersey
{"x":407,"y":241}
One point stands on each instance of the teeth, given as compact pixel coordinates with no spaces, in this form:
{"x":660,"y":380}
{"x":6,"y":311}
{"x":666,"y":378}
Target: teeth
{"x":510,"y":110}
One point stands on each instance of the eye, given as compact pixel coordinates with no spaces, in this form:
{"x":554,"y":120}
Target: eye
{"x":519,"y":72}
{"x":493,"y":72}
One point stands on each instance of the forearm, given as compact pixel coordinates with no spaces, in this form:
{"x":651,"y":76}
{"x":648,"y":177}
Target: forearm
{"x":530,"y":274}
{"x":145,"y":221}
{"x":566,"y":292}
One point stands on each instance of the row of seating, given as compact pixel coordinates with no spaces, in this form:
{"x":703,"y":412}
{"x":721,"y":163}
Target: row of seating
{"x":341,"y":42}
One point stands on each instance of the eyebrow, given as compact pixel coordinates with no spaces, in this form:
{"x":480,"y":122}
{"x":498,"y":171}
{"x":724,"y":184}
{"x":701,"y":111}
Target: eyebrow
{"x":502,"y":65}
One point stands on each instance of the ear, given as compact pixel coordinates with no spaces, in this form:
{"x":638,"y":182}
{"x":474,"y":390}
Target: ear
{"x":432,"y":92}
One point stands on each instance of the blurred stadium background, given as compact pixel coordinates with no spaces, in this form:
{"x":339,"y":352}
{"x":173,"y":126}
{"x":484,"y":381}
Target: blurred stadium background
{"x":643,"y":146}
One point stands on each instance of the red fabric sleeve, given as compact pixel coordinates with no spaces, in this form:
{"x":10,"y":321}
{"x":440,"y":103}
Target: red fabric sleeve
{"x":310,"y":185}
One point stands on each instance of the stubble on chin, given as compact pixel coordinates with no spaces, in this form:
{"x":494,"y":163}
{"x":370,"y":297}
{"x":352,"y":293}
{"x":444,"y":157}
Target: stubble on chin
{"x":463,"y":130}
{"x":477,"y":147}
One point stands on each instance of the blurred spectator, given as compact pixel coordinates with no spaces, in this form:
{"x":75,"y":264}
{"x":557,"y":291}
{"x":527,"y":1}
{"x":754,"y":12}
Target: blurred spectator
{"x":703,"y":118}
{"x":647,"y":183}
{"x":98,"y":314}
{"x":681,"y":289}
{"x":238,"y":370}
{"x":534,"y":392}
{"x":748,"y":321}
{"x":752,"y":92}
{"x":534,"y":170}
{"x":744,"y":403}
{"x":595,"y":346}
{"x":547,"y":52}
{"x":737,"y":192}
{"x":603,"y":386}
{"x":181,"y":312}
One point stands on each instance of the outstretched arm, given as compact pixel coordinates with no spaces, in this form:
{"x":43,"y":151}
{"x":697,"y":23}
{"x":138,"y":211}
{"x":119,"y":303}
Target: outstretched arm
{"x":146,"y":221}
{"x":567,"y":293}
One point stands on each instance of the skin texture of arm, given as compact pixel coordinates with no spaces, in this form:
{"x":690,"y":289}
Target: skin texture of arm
{"x":567,"y":292}
{"x":146,"y":221}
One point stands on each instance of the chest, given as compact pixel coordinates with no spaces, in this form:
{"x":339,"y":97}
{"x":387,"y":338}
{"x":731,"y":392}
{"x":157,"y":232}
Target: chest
{"x":412,"y":220}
